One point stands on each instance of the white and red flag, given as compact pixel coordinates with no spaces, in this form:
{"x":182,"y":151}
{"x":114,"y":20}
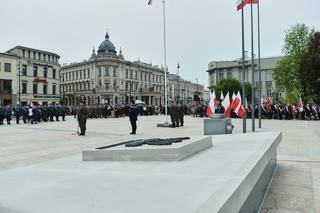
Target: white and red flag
{"x":300,"y":105}
{"x":234,"y":102}
{"x":242,"y":3}
{"x":239,"y":110}
{"x":236,"y":105}
{"x":212,"y":103}
{"x":227,"y":106}
{"x":221,"y":96}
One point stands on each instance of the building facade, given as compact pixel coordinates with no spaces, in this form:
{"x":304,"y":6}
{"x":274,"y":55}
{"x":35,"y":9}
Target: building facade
{"x":8,"y":79}
{"x":184,"y":90}
{"x":218,"y":70}
{"x":108,"y":78}
{"x":38,"y":75}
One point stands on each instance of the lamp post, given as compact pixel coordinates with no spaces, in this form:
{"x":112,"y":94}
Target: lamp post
{"x":19,"y":81}
{"x":178,"y":71}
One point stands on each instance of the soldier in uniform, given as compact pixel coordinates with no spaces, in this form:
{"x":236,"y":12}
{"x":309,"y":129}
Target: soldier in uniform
{"x":181,"y":114}
{"x":2,"y":114}
{"x":133,"y":115}
{"x":82,"y":118}
{"x":171,"y":113}
{"x":8,"y":114}
{"x":17,"y":112}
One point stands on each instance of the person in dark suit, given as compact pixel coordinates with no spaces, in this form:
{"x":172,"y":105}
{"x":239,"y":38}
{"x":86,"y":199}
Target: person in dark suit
{"x":133,"y":115}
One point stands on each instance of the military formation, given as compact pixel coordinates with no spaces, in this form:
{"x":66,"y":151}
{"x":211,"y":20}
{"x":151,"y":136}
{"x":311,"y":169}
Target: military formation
{"x":32,"y":114}
{"x":177,"y":111}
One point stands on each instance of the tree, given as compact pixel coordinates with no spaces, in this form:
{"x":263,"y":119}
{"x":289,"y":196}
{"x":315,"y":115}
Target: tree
{"x":286,"y":71}
{"x":309,"y":69}
{"x":232,"y":85}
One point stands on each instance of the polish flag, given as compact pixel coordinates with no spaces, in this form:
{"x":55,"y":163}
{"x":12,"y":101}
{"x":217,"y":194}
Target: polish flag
{"x":300,"y":105}
{"x":239,"y":110}
{"x":221,"y":96}
{"x":262,"y":103}
{"x":150,"y":2}
{"x":212,"y":103}
{"x":227,"y":106}
{"x":234,"y":102}
{"x":242,"y":3}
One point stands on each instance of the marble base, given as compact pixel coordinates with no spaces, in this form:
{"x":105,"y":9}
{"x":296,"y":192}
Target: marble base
{"x":216,"y":126}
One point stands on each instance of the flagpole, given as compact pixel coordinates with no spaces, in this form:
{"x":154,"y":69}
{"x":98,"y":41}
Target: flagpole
{"x":244,"y":128}
{"x":165,"y":61}
{"x":252,"y":73}
{"x":259,"y":64}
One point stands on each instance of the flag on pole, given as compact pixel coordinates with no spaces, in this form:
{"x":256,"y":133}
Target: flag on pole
{"x":239,"y":110}
{"x":150,"y":2}
{"x":242,"y":3}
{"x":300,"y":105}
{"x":234,"y":102}
{"x":221,"y":96}
{"x":227,"y":106}
{"x":211,"y":106}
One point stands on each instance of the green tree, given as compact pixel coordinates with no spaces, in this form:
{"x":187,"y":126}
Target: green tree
{"x":309,"y":70}
{"x":79,"y":99}
{"x":231,"y":85}
{"x":286,"y":72}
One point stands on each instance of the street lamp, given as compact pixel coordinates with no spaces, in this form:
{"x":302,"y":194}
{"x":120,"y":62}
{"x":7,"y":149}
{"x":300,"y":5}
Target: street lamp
{"x":178,"y":70}
{"x":19,"y":81}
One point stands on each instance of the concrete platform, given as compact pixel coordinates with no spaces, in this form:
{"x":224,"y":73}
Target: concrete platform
{"x":215,"y":180}
{"x":174,"y":152}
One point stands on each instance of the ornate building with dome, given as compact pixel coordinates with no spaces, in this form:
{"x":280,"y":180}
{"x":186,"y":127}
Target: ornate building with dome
{"x":108,"y":78}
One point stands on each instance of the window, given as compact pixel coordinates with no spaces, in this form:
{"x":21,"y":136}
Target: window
{"x":54,"y":73}
{"x":99,"y":72}
{"x":45,"y":89}
{"x":24,"y":53}
{"x":45,"y":72}
{"x":114,"y":73}
{"x":35,"y":71}
{"x":229,"y":74}
{"x":24,"y":87}
{"x":127,"y":73}
{"x":54,"y":89}
{"x":88,"y":86}
{"x":35,"y":88}
{"x":24,"y":70}
{"x":84,"y":74}
{"x":88,"y":73}
{"x":106,"y":71}
{"x":269,"y":75}
{"x":220,"y":75}
{"x":7,"y":67}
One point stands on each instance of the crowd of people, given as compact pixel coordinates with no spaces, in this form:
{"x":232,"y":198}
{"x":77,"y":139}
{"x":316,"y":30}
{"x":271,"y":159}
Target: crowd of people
{"x":278,"y":110}
{"x":32,"y":114}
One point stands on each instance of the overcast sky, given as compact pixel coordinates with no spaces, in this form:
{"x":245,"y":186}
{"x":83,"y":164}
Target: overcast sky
{"x":197,"y":31}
